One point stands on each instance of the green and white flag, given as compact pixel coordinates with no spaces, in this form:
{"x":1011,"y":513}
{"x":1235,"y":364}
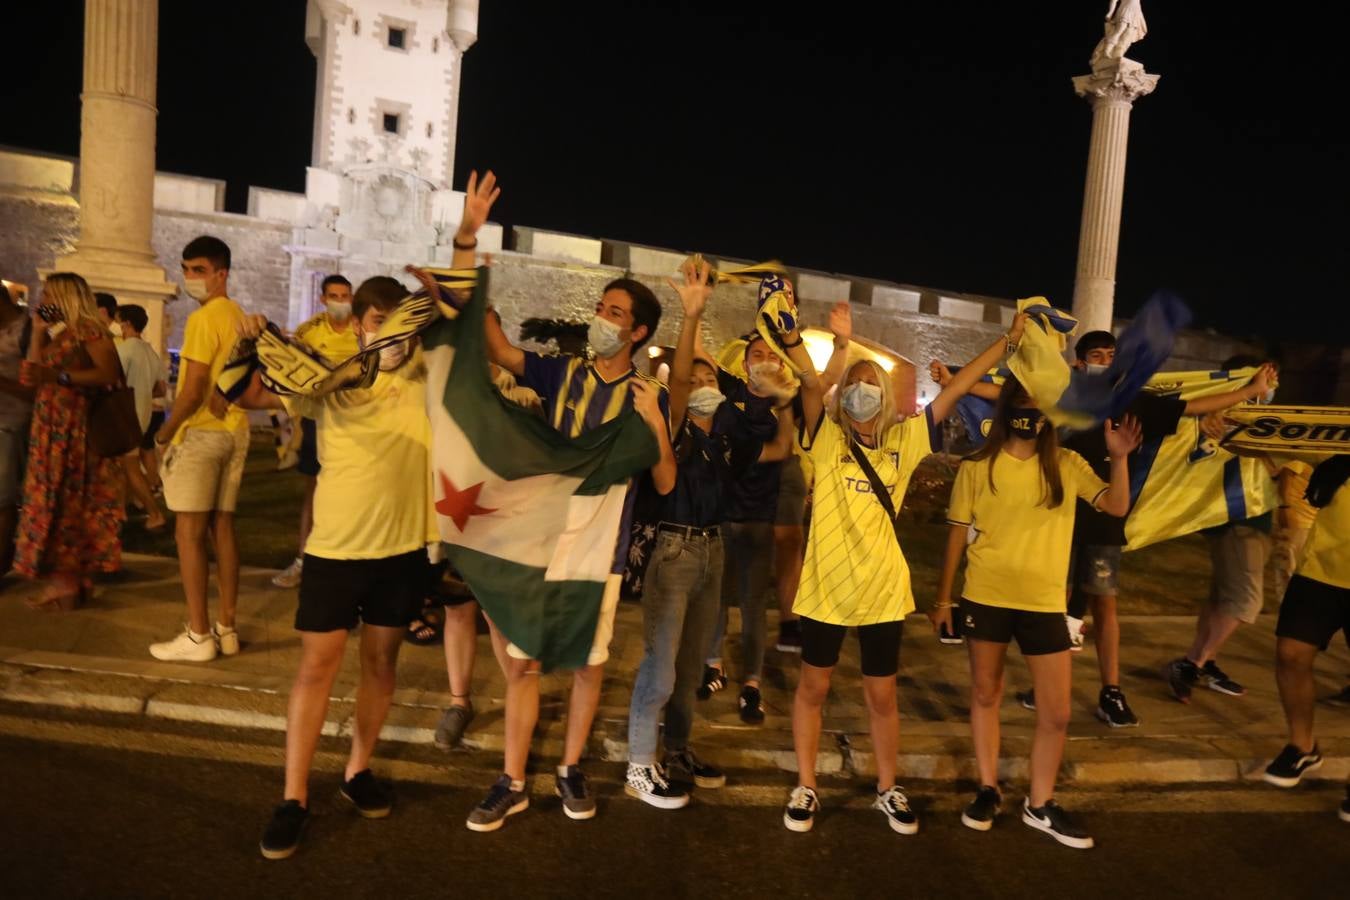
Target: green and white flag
{"x":531,"y":517}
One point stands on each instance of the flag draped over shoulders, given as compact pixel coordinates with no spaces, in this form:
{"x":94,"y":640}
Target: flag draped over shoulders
{"x":531,"y":518}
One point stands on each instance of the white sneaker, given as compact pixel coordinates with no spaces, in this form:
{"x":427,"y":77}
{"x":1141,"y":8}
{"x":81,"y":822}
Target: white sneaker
{"x":227,"y":639}
{"x":187,"y":647}
{"x":289,"y":577}
{"x":1075,"y":633}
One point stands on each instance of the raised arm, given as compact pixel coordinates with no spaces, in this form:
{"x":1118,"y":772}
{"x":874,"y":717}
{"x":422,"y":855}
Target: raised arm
{"x":693,"y":297}
{"x":780,"y":448}
{"x":647,"y":402}
{"x":969,"y":374}
{"x":841,"y":326}
{"x":943,"y":377}
{"x":1260,"y":383}
{"x":1120,"y":443}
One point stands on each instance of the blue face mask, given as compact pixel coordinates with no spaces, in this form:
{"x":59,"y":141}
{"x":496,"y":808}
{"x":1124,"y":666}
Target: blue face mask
{"x":861,"y":401}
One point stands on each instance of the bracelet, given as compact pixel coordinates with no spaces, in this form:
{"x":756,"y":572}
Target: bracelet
{"x":946,"y":604}
{"x":787,"y":346}
{"x":454,"y":242}
{"x":1011,"y":344}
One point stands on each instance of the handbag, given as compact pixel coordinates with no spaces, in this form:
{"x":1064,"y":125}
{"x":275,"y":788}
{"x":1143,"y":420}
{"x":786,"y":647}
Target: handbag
{"x":114,"y":427}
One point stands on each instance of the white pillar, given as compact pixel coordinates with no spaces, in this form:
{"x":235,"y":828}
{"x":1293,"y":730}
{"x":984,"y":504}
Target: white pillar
{"x":1112,"y":89}
{"x":117,"y":159}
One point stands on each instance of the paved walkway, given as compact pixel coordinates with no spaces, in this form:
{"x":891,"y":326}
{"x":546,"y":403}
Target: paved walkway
{"x":97,"y":658}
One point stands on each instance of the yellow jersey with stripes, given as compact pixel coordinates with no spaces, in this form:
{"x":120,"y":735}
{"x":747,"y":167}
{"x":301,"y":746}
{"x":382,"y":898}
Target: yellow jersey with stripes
{"x":854,"y":572}
{"x":333,"y":345}
{"x":1020,"y":556}
{"x":576,"y":397}
{"x":1326,"y":553}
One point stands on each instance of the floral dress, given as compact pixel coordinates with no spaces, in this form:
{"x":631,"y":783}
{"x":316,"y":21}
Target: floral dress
{"x":72,"y":498}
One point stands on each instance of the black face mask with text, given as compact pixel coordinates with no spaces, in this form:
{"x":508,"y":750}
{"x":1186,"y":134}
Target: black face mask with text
{"x":1025,"y":421}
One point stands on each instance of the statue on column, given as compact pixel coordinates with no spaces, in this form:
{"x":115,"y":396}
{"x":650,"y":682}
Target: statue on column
{"x":1124,"y":25}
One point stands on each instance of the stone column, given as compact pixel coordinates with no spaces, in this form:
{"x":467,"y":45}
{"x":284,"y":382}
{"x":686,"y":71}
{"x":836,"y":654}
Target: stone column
{"x":1112,"y":89}
{"x":117,"y":159}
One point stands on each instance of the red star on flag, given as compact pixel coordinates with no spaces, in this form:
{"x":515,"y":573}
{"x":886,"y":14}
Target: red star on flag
{"x":460,"y":506}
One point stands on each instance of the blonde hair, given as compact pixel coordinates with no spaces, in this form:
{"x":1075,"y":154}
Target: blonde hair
{"x":886,"y":418}
{"x":71,"y":294}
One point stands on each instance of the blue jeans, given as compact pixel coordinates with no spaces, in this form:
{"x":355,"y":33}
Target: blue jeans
{"x":680,"y":604}
{"x":749,"y":547}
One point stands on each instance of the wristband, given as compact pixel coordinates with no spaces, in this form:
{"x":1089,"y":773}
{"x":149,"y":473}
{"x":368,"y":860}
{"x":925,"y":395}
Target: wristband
{"x":797,"y":343}
{"x":1011,"y":344}
{"x":455,"y":242}
{"x":63,"y":378}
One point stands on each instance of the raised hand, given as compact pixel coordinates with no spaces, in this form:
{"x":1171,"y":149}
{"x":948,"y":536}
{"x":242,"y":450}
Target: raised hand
{"x":647,"y":404}
{"x":841,"y":321}
{"x":939,"y":373}
{"x":1264,"y":379}
{"x":1122,"y":439}
{"x":695,"y":291}
{"x":1019,"y":324}
{"x":478,"y":200}
{"x":251,"y":326}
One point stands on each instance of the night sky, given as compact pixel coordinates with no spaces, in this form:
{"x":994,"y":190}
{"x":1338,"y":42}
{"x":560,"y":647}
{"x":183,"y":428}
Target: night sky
{"x":941,"y":145}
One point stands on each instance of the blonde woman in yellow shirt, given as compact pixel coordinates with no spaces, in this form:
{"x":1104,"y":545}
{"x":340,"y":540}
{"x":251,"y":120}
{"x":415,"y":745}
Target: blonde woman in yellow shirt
{"x":855,"y":574}
{"x":1018,"y":493}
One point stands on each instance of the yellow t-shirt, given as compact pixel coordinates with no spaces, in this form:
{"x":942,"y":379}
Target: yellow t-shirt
{"x":1326,"y":555}
{"x":208,"y":338}
{"x":1020,"y":556}
{"x":1294,"y":476}
{"x":319,"y":335}
{"x":854,"y":572}
{"x":373,"y":498}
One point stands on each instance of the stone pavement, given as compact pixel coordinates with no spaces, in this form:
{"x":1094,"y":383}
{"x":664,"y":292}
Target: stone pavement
{"x":97,"y":659}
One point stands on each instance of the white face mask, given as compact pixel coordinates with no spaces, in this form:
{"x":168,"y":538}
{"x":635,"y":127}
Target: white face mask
{"x":862,"y":401}
{"x":1095,"y":368}
{"x":763,"y":375}
{"x":116,"y":329}
{"x":195,"y":288}
{"x":392,"y":357}
{"x":704,"y":401}
{"x":341,"y":311}
{"x":605,"y":337}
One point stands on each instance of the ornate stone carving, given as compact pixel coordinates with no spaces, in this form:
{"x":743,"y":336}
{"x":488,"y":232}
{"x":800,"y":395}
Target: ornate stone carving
{"x":1124,"y":26}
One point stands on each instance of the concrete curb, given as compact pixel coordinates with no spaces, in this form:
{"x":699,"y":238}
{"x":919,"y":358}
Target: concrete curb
{"x":926,"y":755}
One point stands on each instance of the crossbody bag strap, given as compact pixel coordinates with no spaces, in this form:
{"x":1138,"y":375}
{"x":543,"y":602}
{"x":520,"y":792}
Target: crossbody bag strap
{"x":883,"y":496}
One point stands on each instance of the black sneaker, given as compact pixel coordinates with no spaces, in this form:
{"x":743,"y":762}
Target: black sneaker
{"x":650,"y":785}
{"x":501,"y":801}
{"x":1027,"y":699}
{"x":802,"y":806}
{"x":1054,"y":821}
{"x":450,"y":730}
{"x":1216,"y":679}
{"x":1113,"y":710}
{"x":1287,"y":769}
{"x":789,"y":636}
{"x":1181,"y":675}
{"x":578,"y":801}
{"x":282,"y":837}
{"x":371,"y":798}
{"x":751,"y":711}
{"x":895,"y":805}
{"x":684,"y":767}
{"x":713,"y":681}
{"x":981,"y":811}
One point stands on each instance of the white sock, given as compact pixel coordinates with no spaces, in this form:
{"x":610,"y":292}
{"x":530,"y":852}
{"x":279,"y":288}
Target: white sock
{"x":517,"y":785}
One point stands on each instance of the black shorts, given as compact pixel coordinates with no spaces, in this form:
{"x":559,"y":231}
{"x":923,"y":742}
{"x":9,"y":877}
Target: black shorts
{"x":335,"y":593}
{"x":1037,"y":633}
{"x":878,"y":645}
{"x":309,"y":449}
{"x":1313,"y":611}
{"x":156,"y":420}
